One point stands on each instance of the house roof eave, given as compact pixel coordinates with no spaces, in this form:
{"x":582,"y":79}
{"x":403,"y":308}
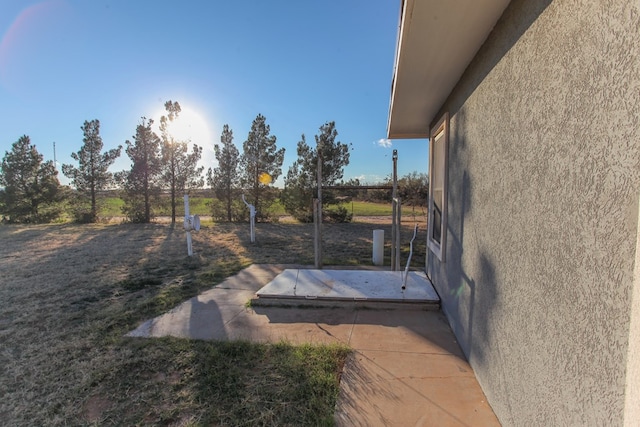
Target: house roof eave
{"x":436,"y":42}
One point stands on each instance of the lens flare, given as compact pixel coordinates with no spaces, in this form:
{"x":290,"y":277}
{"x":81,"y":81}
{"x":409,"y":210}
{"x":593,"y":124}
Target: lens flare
{"x":265,"y":178}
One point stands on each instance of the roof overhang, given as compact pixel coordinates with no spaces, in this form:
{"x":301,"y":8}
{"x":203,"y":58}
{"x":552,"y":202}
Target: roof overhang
{"x":437,"y":39}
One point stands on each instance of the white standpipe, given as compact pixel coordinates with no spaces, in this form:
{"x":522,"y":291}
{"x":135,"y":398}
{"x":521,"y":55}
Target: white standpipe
{"x":191,"y":222}
{"x":252,"y":219}
{"x":378,"y":247}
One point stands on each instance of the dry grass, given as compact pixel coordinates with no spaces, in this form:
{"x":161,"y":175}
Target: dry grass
{"x":68,"y":293}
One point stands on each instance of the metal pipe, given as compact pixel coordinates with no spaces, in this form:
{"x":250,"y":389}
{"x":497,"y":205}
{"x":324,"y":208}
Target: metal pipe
{"x":317,"y":243}
{"x":394,"y":207}
{"x":191,"y":222}
{"x":317,"y":209}
{"x":252,"y":220}
{"x":398,"y":231}
{"x":406,"y":269}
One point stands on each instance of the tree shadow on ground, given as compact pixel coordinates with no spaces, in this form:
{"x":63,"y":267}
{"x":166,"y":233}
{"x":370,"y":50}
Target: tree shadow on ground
{"x":70,"y":292}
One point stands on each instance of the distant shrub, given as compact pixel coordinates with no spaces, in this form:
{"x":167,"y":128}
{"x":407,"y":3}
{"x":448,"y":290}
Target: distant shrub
{"x":339,"y":215}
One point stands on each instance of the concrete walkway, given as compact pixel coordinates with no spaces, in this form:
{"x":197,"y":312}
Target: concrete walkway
{"x":406,"y":369}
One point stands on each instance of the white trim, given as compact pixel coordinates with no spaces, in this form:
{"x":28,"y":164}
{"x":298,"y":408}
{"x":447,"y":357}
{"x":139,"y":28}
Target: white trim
{"x":441,"y":128}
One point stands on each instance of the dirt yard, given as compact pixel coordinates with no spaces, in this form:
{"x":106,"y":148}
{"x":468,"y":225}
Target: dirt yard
{"x":69,"y":292}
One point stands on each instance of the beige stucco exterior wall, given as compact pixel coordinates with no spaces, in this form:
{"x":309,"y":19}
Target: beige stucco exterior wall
{"x":544,"y":178}
{"x":632,"y":389}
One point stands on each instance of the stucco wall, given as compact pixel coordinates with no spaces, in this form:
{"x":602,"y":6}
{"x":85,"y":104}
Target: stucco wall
{"x":544,"y":178}
{"x":632,"y":390}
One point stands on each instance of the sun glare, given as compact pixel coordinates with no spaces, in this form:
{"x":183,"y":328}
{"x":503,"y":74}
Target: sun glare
{"x":189,"y":126}
{"x":192,"y":127}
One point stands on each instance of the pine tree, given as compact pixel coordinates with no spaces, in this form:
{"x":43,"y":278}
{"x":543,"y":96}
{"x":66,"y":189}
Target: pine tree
{"x":301,"y":183}
{"x":179,"y":167}
{"x":142,"y":182}
{"x":92,"y":173}
{"x":260,"y":165}
{"x":224,"y":179}
{"x":31,"y":190}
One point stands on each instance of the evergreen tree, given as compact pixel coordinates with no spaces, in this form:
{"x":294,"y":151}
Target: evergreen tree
{"x":92,"y":173}
{"x":224,"y":179}
{"x":260,"y":165}
{"x":30,"y":188}
{"x":179,"y":167}
{"x":142,"y":182}
{"x":301,"y":182}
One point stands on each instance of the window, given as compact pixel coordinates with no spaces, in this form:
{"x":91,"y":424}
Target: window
{"x":438,"y":159}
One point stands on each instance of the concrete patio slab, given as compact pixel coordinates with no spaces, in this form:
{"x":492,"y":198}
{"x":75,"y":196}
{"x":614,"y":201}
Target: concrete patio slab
{"x":330,"y":327}
{"x":195,"y":318}
{"x":349,"y":285}
{"x":255,"y":276}
{"x":403,"y":331}
{"x":406,"y":367}
{"x":401,"y":401}
{"x":418,"y":365}
{"x":227,"y":296}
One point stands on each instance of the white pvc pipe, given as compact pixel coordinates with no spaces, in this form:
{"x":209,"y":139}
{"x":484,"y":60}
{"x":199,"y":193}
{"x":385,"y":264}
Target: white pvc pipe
{"x":378,"y":247}
{"x":189,"y":244}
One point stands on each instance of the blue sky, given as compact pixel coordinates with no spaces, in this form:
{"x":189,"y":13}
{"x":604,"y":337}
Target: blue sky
{"x":298,"y":63}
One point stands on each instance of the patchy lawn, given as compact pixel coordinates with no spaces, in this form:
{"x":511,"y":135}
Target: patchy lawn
{"x":68,"y":294}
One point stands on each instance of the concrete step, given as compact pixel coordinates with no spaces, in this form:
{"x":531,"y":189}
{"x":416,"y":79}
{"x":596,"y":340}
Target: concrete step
{"x":349,"y":288}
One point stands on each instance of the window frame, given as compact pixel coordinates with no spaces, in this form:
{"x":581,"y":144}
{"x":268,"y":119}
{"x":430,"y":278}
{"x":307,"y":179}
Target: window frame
{"x":442,"y":126}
